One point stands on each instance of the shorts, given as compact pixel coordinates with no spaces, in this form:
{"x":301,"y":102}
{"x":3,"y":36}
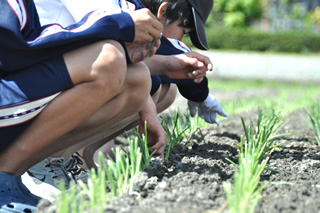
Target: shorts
{"x":156,"y":82}
{"x":25,"y":93}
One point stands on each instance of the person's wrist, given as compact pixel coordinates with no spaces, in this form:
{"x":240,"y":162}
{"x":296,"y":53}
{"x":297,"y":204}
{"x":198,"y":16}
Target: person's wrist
{"x":167,"y":64}
{"x":208,"y":99}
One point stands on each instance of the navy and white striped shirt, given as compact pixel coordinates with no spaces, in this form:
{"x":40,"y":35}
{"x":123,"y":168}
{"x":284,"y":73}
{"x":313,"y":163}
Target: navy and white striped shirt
{"x":24,"y":42}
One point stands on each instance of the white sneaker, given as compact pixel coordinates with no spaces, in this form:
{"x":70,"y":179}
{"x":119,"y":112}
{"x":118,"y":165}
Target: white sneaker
{"x":43,"y":178}
{"x":41,"y":189}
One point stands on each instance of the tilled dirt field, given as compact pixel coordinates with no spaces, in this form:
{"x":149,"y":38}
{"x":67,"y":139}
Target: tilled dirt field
{"x":191,"y":181}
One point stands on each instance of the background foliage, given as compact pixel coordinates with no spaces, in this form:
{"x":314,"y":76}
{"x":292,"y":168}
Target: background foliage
{"x":264,"y":25}
{"x":246,"y":39}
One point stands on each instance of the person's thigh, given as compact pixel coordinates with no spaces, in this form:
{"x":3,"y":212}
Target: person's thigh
{"x":25,"y":93}
{"x":83,"y":63}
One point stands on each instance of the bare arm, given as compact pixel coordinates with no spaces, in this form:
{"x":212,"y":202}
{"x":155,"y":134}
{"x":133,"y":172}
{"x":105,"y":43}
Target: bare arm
{"x":156,"y":136}
{"x":189,"y":65}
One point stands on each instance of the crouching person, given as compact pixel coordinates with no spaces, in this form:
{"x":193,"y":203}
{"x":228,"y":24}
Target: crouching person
{"x":58,"y":80}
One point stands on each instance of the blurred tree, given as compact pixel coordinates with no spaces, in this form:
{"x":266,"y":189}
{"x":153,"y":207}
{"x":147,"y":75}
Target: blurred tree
{"x":266,"y":19}
{"x":316,"y":16}
{"x":238,"y":13}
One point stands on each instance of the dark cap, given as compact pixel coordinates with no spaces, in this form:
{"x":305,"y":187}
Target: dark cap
{"x":201,"y":10}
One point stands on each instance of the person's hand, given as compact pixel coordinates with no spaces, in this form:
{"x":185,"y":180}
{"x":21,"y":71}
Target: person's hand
{"x":139,"y":50}
{"x":207,"y":110}
{"x":190,"y":65}
{"x":147,"y":26}
{"x":156,"y":136}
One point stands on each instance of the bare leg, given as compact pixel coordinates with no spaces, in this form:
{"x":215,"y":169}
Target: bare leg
{"x":164,"y":97}
{"x":98,"y":72}
{"x":167,"y":96}
{"x":106,"y":150}
{"x":91,"y":149}
{"x":101,"y":123}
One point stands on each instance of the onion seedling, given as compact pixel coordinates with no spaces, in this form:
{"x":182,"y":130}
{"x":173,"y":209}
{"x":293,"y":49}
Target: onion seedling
{"x":314,"y":116}
{"x":244,"y":194}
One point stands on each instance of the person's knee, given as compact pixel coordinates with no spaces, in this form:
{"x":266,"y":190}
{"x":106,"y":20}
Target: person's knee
{"x":169,"y":92}
{"x":139,"y":83}
{"x":167,"y":96}
{"x":109,"y":70}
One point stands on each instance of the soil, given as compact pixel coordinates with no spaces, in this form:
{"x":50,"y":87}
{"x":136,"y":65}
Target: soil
{"x":192,"y":179}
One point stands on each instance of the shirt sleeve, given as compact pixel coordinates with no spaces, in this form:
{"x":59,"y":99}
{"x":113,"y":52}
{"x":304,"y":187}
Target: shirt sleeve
{"x":190,"y":90}
{"x":23,"y":42}
{"x":79,"y":8}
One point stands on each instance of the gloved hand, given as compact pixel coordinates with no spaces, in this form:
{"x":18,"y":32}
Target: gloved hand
{"x":207,"y":109}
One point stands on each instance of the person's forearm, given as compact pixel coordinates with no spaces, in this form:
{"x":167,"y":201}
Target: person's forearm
{"x":149,"y":108}
{"x":158,"y":64}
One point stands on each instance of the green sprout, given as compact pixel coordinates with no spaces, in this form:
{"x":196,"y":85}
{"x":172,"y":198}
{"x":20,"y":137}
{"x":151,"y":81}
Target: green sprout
{"x":175,"y":128}
{"x":244,"y":194}
{"x":119,"y":174}
{"x":122,"y":171}
{"x":181,"y":127}
{"x":314,"y":116}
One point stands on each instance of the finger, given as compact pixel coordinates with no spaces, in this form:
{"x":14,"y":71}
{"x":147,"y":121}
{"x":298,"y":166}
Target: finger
{"x":200,"y":72}
{"x":201,"y":114}
{"x":162,"y":157}
{"x":210,"y":67}
{"x":213,"y":117}
{"x":160,"y":147}
{"x":150,"y":48}
{"x":207,"y":118}
{"x":204,"y":59}
{"x":151,"y":150}
{"x":193,"y":107}
{"x":157,"y":25}
{"x":191,"y":62}
{"x":198,"y":67}
{"x":198,"y":80}
{"x":154,"y":33}
{"x":193,"y":111}
{"x":144,"y":54}
{"x":196,"y":74}
{"x":156,"y":152}
{"x":222,"y":113}
{"x":144,"y":37}
{"x":152,"y":52}
{"x":158,"y":43}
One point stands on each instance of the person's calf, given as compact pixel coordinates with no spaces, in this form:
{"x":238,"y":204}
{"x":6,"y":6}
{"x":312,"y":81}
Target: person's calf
{"x":167,"y":97}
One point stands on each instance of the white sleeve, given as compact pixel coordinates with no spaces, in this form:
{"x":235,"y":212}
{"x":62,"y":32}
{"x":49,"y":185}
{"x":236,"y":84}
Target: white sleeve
{"x":79,"y":8}
{"x":53,"y":11}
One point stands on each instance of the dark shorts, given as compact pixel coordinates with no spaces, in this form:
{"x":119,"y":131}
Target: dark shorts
{"x":24,"y":93}
{"x":156,"y":82}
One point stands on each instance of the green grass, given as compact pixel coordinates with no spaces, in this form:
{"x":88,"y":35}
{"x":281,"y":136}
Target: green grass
{"x":285,"y":96}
